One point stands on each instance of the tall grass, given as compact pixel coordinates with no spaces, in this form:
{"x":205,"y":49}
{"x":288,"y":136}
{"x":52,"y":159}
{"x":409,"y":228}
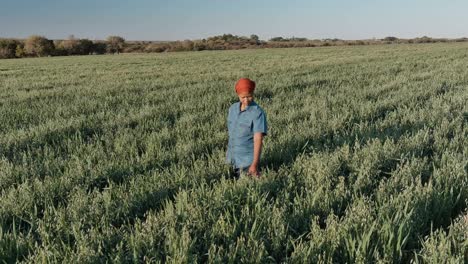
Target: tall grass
{"x":121,"y":158}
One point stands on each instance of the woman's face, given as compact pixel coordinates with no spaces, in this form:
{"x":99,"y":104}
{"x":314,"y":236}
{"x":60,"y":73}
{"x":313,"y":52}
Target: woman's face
{"x":245,"y":98}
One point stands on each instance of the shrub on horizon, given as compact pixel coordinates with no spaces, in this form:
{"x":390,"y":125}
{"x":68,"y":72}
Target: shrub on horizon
{"x":115,"y":44}
{"x":38,"y":46}
{"x":8,"y":48}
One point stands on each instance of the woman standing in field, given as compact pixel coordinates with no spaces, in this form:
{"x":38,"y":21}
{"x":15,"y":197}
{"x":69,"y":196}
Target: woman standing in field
{"x":247,"y":125}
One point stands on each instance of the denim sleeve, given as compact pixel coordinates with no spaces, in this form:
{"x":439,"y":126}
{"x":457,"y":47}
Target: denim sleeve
{"x":260,"y":123}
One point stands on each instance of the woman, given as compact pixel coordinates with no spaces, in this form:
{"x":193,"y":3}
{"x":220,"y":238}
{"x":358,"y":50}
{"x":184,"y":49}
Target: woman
{"x":247,"y":125}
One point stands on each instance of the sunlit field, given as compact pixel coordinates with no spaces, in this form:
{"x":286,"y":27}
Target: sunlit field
{"x":120,"y":158}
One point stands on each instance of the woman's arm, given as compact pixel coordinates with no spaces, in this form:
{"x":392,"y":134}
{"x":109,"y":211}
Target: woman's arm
{"x":258,"y":141}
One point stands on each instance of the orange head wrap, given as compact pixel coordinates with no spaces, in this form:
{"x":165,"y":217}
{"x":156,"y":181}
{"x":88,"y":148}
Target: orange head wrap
{"x":245,"y":85}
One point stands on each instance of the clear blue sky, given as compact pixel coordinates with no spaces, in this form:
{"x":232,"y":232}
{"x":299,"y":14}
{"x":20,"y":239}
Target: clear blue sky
{"x":195,"y":19}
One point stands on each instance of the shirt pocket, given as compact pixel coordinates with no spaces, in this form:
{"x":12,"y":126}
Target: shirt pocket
{"x":245,"y":129}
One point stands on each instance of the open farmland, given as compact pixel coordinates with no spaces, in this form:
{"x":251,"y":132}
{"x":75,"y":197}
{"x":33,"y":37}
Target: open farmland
{"x":121,"y":158}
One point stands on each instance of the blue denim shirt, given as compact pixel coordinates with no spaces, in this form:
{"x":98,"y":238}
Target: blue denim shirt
{"x":241,"y":126}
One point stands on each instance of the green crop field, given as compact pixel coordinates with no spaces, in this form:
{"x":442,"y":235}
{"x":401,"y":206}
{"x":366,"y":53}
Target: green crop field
{"x":121,"y":158}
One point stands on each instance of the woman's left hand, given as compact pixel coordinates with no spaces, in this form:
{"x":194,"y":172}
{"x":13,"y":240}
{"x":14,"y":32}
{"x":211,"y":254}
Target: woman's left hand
{"x":253,"y":171}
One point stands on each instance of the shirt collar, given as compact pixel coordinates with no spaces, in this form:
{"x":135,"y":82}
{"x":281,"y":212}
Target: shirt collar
{"x":250,"y":106}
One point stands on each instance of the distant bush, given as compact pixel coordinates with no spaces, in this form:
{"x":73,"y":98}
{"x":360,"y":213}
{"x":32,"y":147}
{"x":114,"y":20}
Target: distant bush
{"x":356,"y":42}
{"x":59,"y":48}
{"x":424,"y":39}
{"x":69,"y":46}
{"x":255,"y":39}
{"x":115,"y":44}
{"x":19,"y":52}
{"x":156,"y":48}
{"x":8,"y":48}
{"x":187,"y":45}
{"x":199,"y":45}
{"x":136,"y":47}
{"x":293,"y":39}
{"x":38,"y":46}
{"x":74,"y":46}
{"x":278,"y":39}
{"x":390,"y":39}
{"x":99,"y":48}
{"x":298,"y":39}
{"x":86,"y":46}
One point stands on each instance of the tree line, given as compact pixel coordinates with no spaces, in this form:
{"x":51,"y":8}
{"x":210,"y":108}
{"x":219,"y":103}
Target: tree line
{"x":39,"y":46}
